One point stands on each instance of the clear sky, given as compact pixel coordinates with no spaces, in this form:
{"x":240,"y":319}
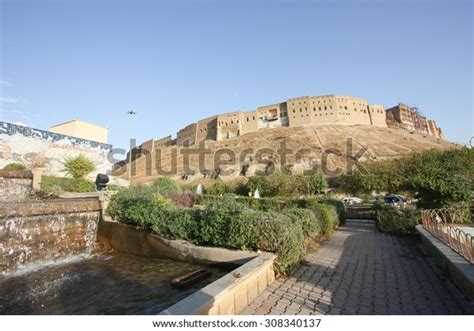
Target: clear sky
{"x":175,"y":62}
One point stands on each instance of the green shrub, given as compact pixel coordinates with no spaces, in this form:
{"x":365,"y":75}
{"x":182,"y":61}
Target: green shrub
{"x":59,"y":185}
{"x":166,"y":187}
{"x":14,"y":166}
{"x":218,"y":188}
{"x":308,"y":220}
{"x":277,"y":225}
{"x":329,"y":217}
{"x":278,"y":233}
{"x":316,"y":183}
{"x":175,"y":222}
{"x":339,"y":207}
{"x":136,"y":205}
{"x":260,"y":183}
{"x":283,"y":183}
{"x":397,"y":220}
{"x":79,"y":166}
{"x":222,"y":224}
{"x":439,"y":178}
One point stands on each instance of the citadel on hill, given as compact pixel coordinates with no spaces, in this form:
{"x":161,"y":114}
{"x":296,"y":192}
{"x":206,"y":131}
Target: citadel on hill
{"x":301,"y":111}
{"x":313,"y":123}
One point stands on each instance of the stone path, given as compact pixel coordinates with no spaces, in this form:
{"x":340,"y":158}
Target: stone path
{"x":362,"y":271}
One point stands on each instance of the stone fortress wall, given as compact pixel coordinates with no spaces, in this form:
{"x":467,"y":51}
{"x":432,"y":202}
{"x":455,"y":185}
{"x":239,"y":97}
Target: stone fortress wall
{"x":303,"y":111}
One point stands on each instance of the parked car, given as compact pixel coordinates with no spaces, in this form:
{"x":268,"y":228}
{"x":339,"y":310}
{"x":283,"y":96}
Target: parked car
{"x":376,"y":199}
{"x":351,"y":200}
{"x":394,"y":200}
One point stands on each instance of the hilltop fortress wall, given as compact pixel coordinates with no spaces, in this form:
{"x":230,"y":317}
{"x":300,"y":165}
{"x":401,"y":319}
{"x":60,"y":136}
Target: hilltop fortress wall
{"x":301,"y":111}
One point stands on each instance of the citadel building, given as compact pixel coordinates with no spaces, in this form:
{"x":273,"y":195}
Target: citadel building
{"x":301,"y":111}
{"x":295,"y":112}
{"x":309,"y":110}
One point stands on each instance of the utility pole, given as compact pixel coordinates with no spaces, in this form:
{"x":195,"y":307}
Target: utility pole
{"x":130,"y":113}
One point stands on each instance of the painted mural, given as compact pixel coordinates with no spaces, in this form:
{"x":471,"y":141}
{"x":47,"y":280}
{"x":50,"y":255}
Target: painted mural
{"x":26,"y":145}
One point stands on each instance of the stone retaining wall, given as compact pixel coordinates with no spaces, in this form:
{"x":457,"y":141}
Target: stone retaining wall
{"x":37,"y":231}
{"x":15,"y":185}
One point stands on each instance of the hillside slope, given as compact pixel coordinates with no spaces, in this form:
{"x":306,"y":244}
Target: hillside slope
{"x":335,"y":148}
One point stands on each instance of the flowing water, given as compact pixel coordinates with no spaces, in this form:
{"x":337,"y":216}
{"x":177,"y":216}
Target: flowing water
{"x":103,"y":284}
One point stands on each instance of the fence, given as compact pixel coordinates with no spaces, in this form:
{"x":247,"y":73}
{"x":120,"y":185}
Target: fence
{"x":443,"y":223}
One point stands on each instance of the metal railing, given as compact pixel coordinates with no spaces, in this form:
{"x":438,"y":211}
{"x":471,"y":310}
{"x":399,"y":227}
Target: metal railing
{"x":443,"y":223}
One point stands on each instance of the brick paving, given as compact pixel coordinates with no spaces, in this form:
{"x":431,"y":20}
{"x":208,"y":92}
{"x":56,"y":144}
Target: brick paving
{"x":362,"y":271}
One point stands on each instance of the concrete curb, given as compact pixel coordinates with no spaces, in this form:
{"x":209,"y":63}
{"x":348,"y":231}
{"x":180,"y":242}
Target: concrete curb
{"x":230,"y":294}
{"x":459,"y":270}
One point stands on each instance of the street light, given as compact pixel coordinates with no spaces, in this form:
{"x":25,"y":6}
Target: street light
{"x":130,"y":113}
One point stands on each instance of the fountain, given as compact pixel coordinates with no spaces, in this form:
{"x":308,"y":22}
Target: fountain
{"x":51,"y":263}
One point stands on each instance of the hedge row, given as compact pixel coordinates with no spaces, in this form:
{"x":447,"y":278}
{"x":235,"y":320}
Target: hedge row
{"x":229,"y":223}
{"x":397,"y":220}
{"x":278,"y":203}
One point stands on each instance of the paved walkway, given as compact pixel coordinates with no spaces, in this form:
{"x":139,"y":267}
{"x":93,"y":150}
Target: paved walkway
{"x":362,"y":271}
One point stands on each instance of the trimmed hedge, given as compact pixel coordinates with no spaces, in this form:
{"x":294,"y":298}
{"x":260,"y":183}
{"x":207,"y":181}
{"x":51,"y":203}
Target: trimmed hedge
{"x":231,"y":223}
{"x":397,"y":220}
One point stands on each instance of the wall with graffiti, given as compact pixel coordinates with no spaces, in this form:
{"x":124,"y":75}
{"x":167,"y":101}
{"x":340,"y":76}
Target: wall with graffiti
{"x":27,"y":145}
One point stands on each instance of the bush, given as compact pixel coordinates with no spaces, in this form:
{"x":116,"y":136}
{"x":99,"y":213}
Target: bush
{"x":175,"y":222}
{"x":397,"y":220}
{"x":229,"y":222}
{"x":283,"y":183}
{"x":439,"y":178}
{"x":222,"y":224}
{"x":59,"y":185}
{"x":166,"y":187}
{"x":317,"y":183}
{"x":136,"y":205}
{"x":14,"y":166}
{"x":278,"y":233}
{"x":310,"y":224}
{"x":329,"y":217}
{"x":260,"y":183}
{"x":78,"y":167}
{"x":338,"y":206}
{"x":218,"y":188}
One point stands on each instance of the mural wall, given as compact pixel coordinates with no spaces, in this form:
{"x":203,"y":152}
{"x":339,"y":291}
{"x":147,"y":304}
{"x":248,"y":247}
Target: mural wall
{"x":24,"y":145}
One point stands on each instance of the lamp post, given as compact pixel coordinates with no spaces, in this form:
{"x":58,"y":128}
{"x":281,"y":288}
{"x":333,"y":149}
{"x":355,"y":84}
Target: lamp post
{"x":130,"y":113}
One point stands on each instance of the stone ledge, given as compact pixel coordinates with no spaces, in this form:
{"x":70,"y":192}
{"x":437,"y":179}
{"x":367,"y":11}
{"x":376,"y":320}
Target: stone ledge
{"x":16,"y":174}
{"x":133,"y":240}
{"x":230,"y":294}
{"x":48,"y":207}
{"x":458,"y":268}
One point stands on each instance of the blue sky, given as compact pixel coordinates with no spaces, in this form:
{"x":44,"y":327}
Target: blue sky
{"x":175,"y":62}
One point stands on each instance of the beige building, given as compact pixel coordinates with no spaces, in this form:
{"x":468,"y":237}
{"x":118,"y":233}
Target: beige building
{"x":83,"y":130}
{"x":307,"y":110}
